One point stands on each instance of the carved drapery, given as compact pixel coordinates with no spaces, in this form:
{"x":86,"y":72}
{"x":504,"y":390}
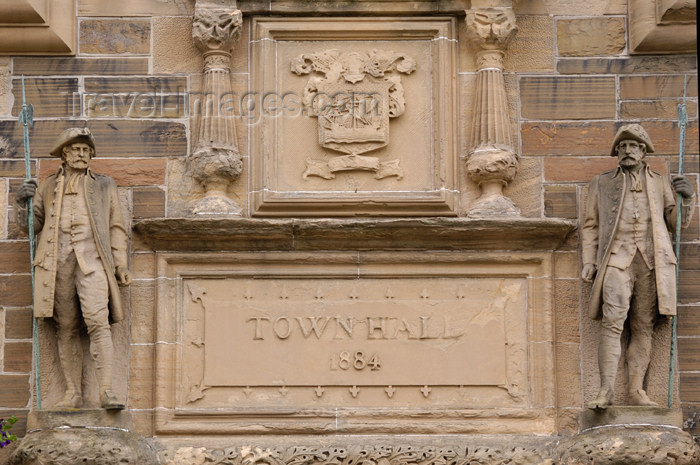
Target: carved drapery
{"x":215,"y":161}
{"x":492,"y":160}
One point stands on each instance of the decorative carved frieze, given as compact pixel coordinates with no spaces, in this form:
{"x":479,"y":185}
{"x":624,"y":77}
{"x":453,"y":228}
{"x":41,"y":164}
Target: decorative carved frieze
{"x":215,"y":161}
{"x":353,"y":103}
{"x":492,"y":159}
{"x":366,"y":455}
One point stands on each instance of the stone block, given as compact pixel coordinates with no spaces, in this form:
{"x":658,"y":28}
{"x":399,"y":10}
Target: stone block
{"x":142,"y":311}
{"x":568,"y":375}
{"x":595,"y":138}
{"x":138,"y":85}
{"x":15,"y":168}
{"x":688,"y":286}
{"x":141,"y":381}
{"x":690,"y":256}
{"x":526,"y":189}
{"x":532,"y":48}
{"x":135,"y":8}
{"x":690,"y":387}
{"x":134,"y":105}
{"x":114,"y":138}
{"x":566,"y":310}
{"x":631,"y":416}
{"x":629,"y":65}
{"x":5,"y":86}
{"x":148,"y":202}
{"x":554,"y":98}
{"x":576,"y":169}
{"x":688,"y":320}
{"x":78,"y":418}
{"x":662,"y":109}
{"x":18,"y":323}
{"x":173,"y":48}
{"x":591,"y":36}
{"x":15,"y":291}
{"x":657,"y":86}
{"x":571,"y":7}
{"x":688,"y":354}
{"x":67,"y":66}
{"x":691,"y":164}
{"x":114,"y":36}
{"x":14,"y":257}
{"x":143,"y":422}
{"x":560,"y":202}
{"x":4,"y":205}
{"x":566,"y":265}
{"x":125,"y":172}
{"x":14,"y":390}
{"x":17,"y":357}
{"x":143,"y":265}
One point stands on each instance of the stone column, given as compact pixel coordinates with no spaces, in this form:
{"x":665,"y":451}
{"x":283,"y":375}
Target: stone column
{"x":215,"y":161}
{"x":492,"y":160}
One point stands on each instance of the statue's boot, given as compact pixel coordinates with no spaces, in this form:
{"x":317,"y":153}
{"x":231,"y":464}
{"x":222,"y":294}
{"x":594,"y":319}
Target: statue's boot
{"x":608,"y":357}
{"x":639,"y":356}
{"x":636,"y":394}
{"x":70,"y":355}
{"x":102,"y":351}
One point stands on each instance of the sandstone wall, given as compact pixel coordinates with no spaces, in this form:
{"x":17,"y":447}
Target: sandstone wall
{"x":570,"y":80}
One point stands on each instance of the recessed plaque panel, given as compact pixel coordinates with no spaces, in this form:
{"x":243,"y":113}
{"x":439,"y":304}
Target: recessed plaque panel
{"x":317,"y":340}
{"x":378,"y":332}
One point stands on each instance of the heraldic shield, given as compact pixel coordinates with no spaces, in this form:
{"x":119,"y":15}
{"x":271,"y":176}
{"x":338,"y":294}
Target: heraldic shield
{"x":353,"y":104}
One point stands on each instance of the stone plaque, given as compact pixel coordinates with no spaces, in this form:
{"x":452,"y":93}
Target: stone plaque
{"x":362,"y":332}
{"x":296,"y":336}
{"x":345,"y":119}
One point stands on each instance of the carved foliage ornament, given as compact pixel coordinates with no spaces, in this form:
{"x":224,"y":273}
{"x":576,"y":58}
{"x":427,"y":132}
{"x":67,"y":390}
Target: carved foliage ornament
{"x":216,"y":28}
{"x":491,"y":28}
{"x":353,"y":103}
{"x":377,"y":455}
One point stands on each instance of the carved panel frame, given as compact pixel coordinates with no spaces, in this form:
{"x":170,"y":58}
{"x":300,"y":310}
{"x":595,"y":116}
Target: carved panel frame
{"x":29,"y":27}
{"x":436,"y":197}
{"x":531,"y":410}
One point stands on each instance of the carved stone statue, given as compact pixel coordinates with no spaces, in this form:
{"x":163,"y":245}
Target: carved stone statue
{"x":80,"y":260}
{"x":627,"y":248}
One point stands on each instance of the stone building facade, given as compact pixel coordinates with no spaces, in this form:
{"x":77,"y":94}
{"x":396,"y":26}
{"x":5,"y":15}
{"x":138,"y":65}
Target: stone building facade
{"x":270,"y":194}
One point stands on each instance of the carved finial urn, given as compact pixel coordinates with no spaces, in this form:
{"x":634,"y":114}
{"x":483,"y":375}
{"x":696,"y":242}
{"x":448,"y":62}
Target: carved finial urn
{"x":215,"y":161}
{"x":492,"y":160}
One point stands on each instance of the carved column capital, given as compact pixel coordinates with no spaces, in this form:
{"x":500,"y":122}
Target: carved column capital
{"x":215,"y":29}
{"x":215,"y":162}
{"x":491,"y":30}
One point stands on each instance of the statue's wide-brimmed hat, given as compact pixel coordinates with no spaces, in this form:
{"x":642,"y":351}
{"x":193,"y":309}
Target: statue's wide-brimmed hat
{"x":634,"y":132}
{"x":70,"y":136}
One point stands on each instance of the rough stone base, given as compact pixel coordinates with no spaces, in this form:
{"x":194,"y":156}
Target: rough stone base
{"x":629,"y":445}
{"x":91,"y":436}
{"x":630,"y":416}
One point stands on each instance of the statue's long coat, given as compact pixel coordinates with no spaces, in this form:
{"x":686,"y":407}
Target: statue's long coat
{"x":605,"y":197}
{"x":107,"y":226}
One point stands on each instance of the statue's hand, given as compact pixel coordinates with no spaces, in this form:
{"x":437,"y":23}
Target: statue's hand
{"x":123,"y":276}
{"x":681,"y":185}
{"x":588,"y":272}
{"x":25,"y":191}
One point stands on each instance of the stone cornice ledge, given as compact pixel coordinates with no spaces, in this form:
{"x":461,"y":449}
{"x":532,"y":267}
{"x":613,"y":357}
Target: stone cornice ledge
{"x":226,"y":234}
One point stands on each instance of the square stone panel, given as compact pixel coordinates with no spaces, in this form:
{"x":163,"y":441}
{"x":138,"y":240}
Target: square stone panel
{"x":298,"y":338}
{"x":347,"y":119}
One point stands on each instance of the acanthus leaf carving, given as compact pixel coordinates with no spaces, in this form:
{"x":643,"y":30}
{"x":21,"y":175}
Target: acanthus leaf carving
{"x":353,"y":103}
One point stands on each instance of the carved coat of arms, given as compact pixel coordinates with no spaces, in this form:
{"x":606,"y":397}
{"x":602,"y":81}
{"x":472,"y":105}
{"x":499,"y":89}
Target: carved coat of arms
{"x":353,"y":103}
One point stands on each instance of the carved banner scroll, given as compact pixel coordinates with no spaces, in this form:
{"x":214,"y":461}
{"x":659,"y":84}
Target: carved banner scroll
{"x":353,"y":103}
